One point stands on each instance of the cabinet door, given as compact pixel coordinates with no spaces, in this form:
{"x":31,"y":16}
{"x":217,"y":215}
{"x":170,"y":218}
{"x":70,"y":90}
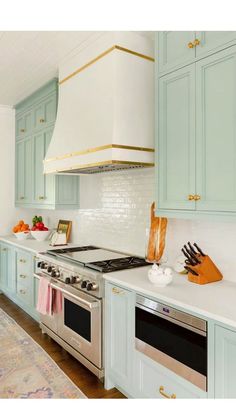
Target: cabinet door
{"x":176,"y":143}
{"x":45,"y":112}
{"x":225,"y":363}
{"x":173,"y":50}
{"x":211,"y":41}
{"x":119,"y":338}
{"x":3,"y":266}
{"x":216,"y":131}
{"x":39,"y":152}
{"x":24,"y":171}
{"x":24,"y":124}
{"x":7,"y":268}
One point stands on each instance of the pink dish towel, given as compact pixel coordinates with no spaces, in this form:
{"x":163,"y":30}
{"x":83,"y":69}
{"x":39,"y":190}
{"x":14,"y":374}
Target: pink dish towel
{"x":56,"y":301}
{"x":44,"y":303}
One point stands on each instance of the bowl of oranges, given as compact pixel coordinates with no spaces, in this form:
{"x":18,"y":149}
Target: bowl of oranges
{"x":21,"y":230}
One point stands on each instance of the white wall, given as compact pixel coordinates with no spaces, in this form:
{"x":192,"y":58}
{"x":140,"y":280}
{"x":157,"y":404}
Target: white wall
{"x":8,"y":214}
{"x":115,"y":214}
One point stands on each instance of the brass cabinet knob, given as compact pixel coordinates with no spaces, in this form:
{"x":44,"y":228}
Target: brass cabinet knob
{"x":41,"y":198}
{"x":167,"y":396}
{"x":191,"y":197}
{"x":22,"y":130}
{"x":117,"y":291}
{"x":22,"y":197}
{"x":22,"y":291}
{"x":4,"y":249}
{"x":196,"y":42}
{"x":23,"y":276}
{"x":191,"y":45}
{"x":41,"y":120}
{"x":22,"y":260}
{"x":197,"y":197}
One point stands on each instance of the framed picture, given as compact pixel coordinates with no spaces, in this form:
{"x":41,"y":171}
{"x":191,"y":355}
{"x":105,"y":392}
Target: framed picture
{"x":64,"y":226}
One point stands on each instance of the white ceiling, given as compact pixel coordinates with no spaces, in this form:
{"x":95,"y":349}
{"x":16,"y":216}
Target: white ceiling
{"x":30,"y":59}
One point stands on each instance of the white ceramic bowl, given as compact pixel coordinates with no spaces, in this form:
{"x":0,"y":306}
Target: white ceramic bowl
{"x":22,"y":235}
{"x":161,"y":280}
{"x":40,"y":235}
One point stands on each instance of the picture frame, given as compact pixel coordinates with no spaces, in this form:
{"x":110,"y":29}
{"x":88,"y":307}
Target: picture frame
{"x":64,"y":226}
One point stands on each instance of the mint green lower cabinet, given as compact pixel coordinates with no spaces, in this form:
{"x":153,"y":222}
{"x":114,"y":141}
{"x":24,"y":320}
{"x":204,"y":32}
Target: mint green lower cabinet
{"x":7,"y":269}
{"x":216,"y":132}
{"x":119,"y":339}
{"x":225,"y":363}
{"x":152,"y":381}
{"x":176,"y":140}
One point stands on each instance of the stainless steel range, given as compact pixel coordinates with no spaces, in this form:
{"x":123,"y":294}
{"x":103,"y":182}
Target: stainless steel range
{"x":78,"y":273}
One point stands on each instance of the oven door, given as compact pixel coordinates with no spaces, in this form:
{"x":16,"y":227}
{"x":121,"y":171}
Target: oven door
{"x":79,"y":324}
{"x":176,"y":345}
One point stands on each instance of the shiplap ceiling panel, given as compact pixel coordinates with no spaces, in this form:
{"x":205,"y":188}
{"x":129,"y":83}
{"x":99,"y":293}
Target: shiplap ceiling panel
{"x":30,"y":59}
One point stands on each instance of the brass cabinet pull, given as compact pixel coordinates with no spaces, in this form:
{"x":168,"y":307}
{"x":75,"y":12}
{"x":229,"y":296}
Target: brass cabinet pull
{"x":22,"y":197}
{"x":196,"y":42}
{"x":197,"y":197}
{"x":4,"y":249}
{"x":162,"y":392}
{"x":41,"y":120}
{"x":22,"y":130}
{"x":23,"y":276}
{"x":117,"y":291}
{"x":22,"y":291}
{"x":22,"y":260}
{"x":191,"y":197}
{"x":41,"y":198}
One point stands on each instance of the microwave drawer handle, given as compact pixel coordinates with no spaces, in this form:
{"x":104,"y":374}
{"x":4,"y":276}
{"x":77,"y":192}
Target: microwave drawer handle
{"x":80,"y":300}
{"x":170,"y":319}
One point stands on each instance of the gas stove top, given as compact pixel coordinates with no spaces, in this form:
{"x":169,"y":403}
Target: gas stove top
{"x":101,"y":260}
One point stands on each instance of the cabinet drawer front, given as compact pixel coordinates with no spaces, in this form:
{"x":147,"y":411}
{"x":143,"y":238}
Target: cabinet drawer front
{"x":24,"y":293}
{"x":153,"y":383}
{"x":23,"y":261}
{"x":174,"y":51}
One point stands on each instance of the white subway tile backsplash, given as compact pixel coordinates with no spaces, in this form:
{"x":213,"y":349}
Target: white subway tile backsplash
{"x":115,"y":211}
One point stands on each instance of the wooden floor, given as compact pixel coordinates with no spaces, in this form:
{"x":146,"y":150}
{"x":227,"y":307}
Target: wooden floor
{"x":90,"y":385}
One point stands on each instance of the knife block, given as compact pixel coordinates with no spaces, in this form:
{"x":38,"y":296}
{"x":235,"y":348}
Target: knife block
{"x":207,"y":271}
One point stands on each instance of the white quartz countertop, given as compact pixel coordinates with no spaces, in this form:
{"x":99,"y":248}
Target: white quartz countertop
{"x":215,"y":301}
{"x":31,"y":245}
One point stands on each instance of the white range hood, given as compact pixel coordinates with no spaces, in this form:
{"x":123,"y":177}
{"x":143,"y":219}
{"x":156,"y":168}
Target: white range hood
{"x":105,"y":117}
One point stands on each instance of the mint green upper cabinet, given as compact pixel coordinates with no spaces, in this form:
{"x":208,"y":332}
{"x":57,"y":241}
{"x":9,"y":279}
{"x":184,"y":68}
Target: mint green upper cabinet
{"x":45,"y":112}
{"x":173,"y":49}
{"x":225,"y":363}
{"x":176,"y":139}
{"x":24,"y":171}
{"x":212,"y":41}
{"x":23,"y":124}
{"x":216,"y":131}
{"x":33,"y":188}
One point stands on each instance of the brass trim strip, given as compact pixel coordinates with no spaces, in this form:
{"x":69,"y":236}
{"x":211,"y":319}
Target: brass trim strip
{"x":103,"y":54}
{"x":101,"y":163}
{"x":100,"y":148}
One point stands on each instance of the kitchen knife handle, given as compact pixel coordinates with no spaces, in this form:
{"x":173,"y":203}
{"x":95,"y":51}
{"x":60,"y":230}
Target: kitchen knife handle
{"x":199,"y":250}
{"x":191,"y":248}
{"x":191,"y":271}
{"x":191,"y":261}
{"x":191,"y":254}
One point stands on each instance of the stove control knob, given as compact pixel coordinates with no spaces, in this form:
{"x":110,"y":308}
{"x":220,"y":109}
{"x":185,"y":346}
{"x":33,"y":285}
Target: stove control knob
{"x":78,"y":279}
{"x":58,"y":274}
{"x":49,"y":269}
{"x":89,"y":286}
{"x":53,"y":273}
{"x":44,"y":265}
{"x":39,"y":264}
{"x":73,"y":280}
{"x":94,"y":286}
{"x":84,"y":284}
{"x":67,"y":280}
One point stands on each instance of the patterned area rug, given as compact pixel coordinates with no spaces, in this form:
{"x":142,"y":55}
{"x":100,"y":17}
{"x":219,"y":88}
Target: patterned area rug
{"x":26,"y":370}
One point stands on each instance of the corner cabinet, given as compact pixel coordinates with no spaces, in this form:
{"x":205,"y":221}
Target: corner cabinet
{"x":35,"y":119}
{"x":196,"y":138}
{"x":119,"y":338}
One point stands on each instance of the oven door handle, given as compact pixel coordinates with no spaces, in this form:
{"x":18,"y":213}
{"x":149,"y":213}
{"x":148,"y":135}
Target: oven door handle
{"x":170,"y":319}
{"x":83,"y":301}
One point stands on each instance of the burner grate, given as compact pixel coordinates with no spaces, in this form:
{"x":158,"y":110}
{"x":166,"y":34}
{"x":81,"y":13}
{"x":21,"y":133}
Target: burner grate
{"x":117,"y":264}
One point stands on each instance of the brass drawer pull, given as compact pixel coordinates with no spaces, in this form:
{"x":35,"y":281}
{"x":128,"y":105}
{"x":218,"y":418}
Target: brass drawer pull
{"x":41,"y":198}
{"x":117,"y":291}
{"x":162,"y":392}
{"x":22,"y":291}
{"x":197,"y":197}
{"x":23,"y":276}
{"x":196,"y":42}
{"x":4,"y":249}
{"x":190,"y":45}
{"x":22,"y":130}
{"x":22,"y":197}
{"x":191,"y":197}
{"x":22,"y":260}
{"x":41,"y":120}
